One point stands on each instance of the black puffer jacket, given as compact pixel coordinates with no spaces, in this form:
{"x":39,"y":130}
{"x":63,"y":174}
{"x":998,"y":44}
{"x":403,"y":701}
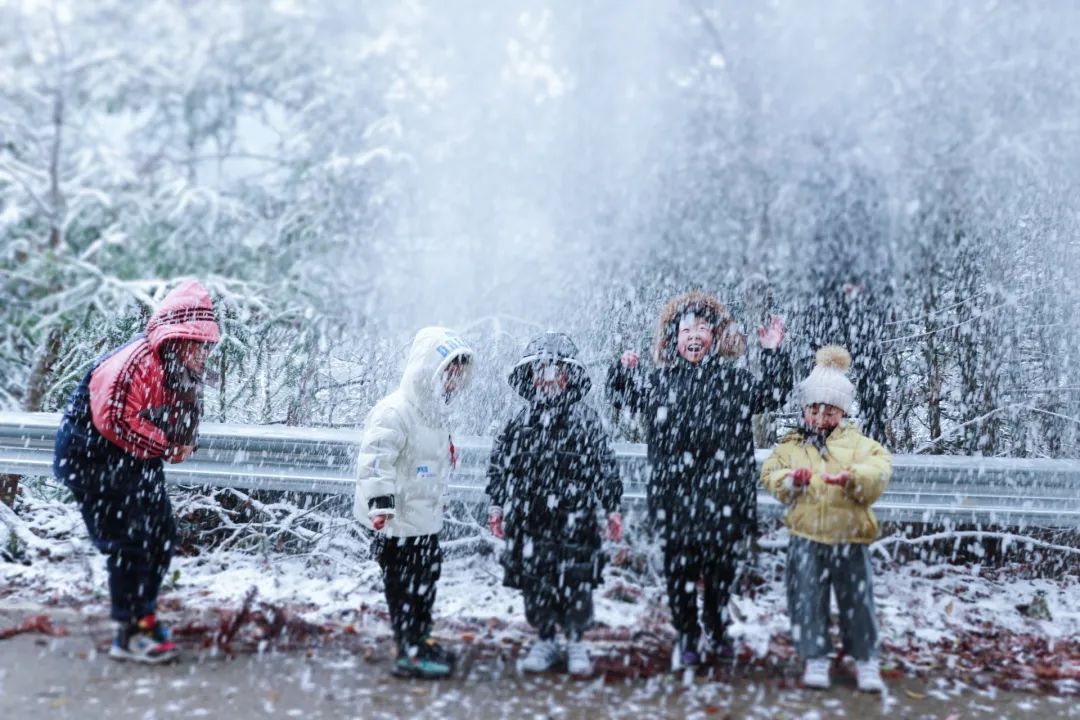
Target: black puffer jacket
{"x":552,"y":471}
{"x":700,"y":439}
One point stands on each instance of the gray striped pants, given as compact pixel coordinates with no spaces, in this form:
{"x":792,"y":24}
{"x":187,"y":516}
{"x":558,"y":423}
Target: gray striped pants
{"x":813,"y":569}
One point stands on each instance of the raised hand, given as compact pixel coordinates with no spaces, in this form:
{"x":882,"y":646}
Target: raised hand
{"x":771,"y":336}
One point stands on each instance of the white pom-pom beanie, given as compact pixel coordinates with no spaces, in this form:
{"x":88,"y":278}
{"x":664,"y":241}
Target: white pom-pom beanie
{"x":827,"y":382}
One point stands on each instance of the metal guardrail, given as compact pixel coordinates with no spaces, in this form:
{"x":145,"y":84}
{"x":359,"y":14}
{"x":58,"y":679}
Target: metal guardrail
{"x":924,"y":488}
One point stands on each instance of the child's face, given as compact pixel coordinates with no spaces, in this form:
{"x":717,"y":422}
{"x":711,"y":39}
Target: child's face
{"x":822,"y":417}
{"x":453,"y":378}
{"x":550,"y":380}
{"x":695,"y":338}
{"x":192,"y":354}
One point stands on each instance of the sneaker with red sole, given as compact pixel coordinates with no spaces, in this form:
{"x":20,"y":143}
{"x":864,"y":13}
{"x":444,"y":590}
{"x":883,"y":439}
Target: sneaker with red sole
{"x":144,"y":641}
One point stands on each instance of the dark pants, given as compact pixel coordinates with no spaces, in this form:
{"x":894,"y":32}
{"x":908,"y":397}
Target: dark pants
{"x":125,"y":506}
{"x":559,"y":602}
{"x":128,"y":515}
{"x":813,"y":569}
{"x":411,"y":568}
{"x":686,"y":560}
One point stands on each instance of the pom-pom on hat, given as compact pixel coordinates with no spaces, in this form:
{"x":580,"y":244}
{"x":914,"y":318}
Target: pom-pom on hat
{"x":827,"y":382}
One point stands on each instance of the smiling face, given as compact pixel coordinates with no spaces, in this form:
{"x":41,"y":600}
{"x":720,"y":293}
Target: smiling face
{"x":822,"y":417}
{"x":695,"y":338}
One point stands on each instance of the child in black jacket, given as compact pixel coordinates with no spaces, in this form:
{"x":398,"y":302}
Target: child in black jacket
{"x":702,"y":493}
{"x":552,"y":469}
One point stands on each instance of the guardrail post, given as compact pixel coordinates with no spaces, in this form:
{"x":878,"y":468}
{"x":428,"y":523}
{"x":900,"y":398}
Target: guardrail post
{"x":9,"y":488}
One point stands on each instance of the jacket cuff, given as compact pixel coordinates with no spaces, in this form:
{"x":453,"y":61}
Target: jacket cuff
{"x":862,"y":479}
{"x":382,"y":505}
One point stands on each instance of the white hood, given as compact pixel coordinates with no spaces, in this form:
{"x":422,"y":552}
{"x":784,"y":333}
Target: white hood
{"x":433,"y":349}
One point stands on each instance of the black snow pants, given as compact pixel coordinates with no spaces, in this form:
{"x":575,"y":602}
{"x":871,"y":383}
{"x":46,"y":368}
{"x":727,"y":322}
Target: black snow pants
{"x":688,"y":559}
{"x":559,"y":601}
{"x":126,"y":508}
{"x":411,"y":569}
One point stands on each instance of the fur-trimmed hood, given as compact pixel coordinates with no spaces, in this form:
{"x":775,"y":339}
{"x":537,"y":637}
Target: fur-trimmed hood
{"x":727,"y":341}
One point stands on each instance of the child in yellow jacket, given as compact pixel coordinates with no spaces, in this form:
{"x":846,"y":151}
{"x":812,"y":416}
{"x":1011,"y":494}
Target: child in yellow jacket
{"x":829,"y":474}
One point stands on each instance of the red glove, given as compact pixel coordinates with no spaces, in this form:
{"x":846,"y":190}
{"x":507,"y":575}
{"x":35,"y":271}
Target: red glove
{"x":495,"y":522}
{"x":614,"y":526}
{"x":800,"y":477}
{"x":378,"y":522}
{"x":839,"y":478}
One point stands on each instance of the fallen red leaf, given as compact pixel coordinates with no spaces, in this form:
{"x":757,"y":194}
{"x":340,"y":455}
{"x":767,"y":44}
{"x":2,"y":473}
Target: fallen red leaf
{"x":36,"y":624}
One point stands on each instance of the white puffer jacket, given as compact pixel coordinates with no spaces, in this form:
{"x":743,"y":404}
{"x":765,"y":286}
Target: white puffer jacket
{"x":405,"y":457}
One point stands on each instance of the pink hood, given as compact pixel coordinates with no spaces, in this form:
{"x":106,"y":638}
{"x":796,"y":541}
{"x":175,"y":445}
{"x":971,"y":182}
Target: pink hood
{"x":186,"y":313}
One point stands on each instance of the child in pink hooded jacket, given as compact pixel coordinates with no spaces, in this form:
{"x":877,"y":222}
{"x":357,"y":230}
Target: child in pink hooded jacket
{"x":136,"y":407}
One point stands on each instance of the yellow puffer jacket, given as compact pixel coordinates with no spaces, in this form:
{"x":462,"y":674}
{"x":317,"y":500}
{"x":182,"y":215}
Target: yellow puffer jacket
{"x":826,"y":513}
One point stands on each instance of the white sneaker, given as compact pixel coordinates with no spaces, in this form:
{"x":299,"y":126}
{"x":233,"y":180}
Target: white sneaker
{"x":578,"y":661}
{"x":542,"y":656}
{"x":868,"y":676}
{"x":816,"y":674}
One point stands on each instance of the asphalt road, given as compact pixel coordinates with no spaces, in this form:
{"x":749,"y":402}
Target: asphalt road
{"x":46,"y":677}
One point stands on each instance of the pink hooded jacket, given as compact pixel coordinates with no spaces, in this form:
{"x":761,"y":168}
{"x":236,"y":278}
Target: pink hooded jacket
{"x":133,"y":379}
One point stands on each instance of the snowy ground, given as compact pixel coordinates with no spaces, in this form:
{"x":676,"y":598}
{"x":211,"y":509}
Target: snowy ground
{"x":983,"y":627}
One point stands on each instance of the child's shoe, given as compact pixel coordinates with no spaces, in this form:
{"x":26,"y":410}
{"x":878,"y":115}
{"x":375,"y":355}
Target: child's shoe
{"x":868,"y":676}
{"x":684,"y":654}
{"x":816,"y":674}
{"x":578,"y":661}
{"x":144,"y":641}
{"x":426,"y":661}
{"x":437,"y":651}
{"x":718,"y":651}
{"x":542,"y":656}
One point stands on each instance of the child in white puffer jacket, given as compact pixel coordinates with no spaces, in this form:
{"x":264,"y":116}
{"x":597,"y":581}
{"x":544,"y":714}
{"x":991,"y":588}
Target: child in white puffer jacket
{"x":405,"y":459}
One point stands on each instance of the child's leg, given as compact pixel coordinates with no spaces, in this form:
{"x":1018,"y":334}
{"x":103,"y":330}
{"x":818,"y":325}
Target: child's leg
{"x":105,"y":522}
{"x":411,"y":571}
{"x":577,"y":609}
{"x":853,"y":582}
{"x":160,"y":542}
{"x":541,"y":609}
{"x":682,"y":568}
{"x":807,"y":576}
{"x":135,"y":536}
{"x":141,"y":560}
{"x":385,"y":552}
{"x":719,"y":572}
